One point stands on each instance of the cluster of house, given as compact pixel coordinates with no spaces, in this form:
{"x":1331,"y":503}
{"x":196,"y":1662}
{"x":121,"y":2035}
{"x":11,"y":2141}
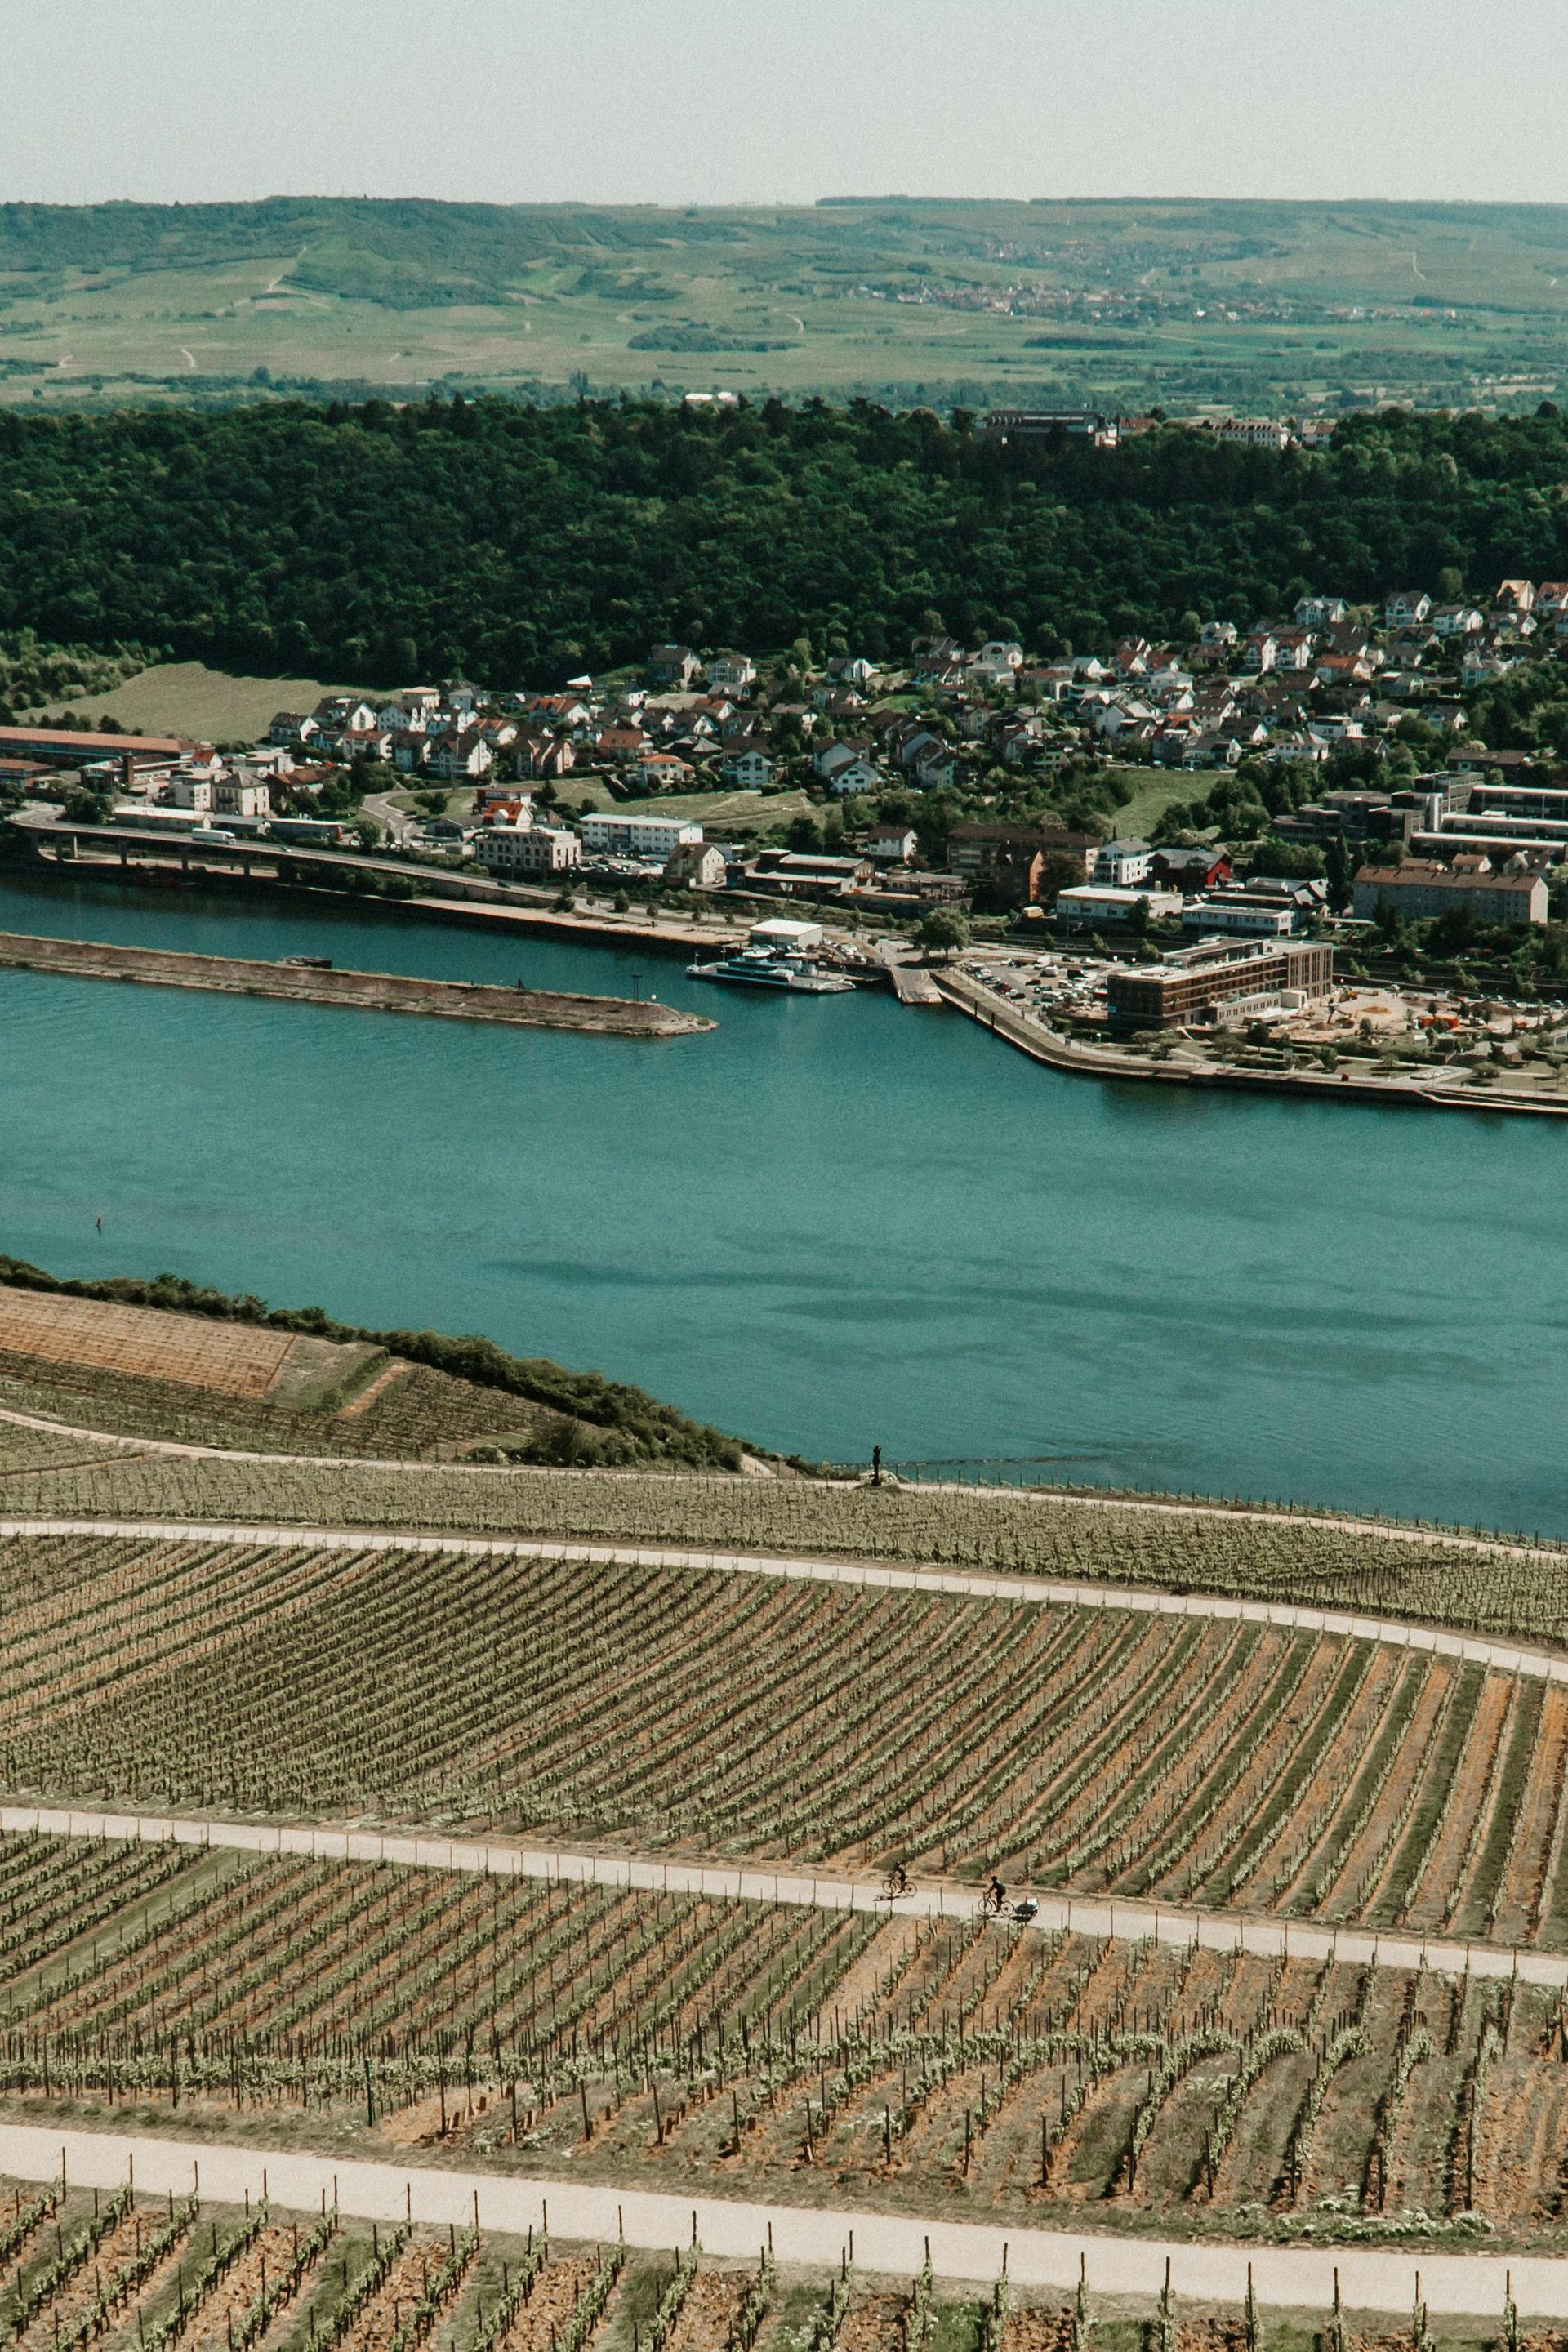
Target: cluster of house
{"x":1304,"y":686}
{"x":1098,"y":886}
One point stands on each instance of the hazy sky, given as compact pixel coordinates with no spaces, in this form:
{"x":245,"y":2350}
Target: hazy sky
{"x":691,"y":100}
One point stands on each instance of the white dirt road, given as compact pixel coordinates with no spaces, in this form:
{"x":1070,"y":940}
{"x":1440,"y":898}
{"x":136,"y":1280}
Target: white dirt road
{"x":417,"y":1848}
{"x":967,"y":2251}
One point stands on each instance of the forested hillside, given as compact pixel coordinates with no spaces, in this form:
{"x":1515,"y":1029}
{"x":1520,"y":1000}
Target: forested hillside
{"x":387,"y":543}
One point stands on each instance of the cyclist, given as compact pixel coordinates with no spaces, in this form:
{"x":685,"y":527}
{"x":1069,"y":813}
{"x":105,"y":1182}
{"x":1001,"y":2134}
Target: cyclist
{"x":996,"y":1896}
{"x":896,"y":1882}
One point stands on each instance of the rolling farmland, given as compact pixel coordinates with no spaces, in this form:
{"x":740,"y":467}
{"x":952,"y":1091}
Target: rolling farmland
{"x":1218,"y":1763}
{"x":1197,"y":301}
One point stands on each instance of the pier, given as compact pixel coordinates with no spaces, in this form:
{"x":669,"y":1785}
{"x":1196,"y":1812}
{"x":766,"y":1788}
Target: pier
{"x":369,"y":991}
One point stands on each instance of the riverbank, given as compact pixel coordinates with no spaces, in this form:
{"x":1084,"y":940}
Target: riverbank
{"x":369,"y":991}
{"x":1439,"y":1092}
{"x":841,"y":1222}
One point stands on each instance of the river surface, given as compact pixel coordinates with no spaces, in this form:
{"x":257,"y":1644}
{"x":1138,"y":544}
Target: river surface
{"x":829,"y":1224}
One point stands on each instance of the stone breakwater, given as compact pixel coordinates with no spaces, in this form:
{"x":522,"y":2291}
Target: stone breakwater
{"x":369,"y":991}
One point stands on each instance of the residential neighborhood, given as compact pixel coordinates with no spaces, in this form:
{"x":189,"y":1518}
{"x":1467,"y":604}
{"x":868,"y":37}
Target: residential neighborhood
{"x":1331,"y":771}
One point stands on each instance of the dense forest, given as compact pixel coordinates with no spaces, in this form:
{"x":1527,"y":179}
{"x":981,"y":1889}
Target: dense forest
{"x":521,"y":544}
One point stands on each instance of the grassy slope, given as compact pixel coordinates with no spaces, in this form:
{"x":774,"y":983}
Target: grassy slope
{"x":189,"y":698}
{"x":1150,"y":792}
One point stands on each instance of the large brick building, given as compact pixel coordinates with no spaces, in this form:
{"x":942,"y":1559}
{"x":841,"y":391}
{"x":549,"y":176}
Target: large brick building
{"x":1196,"y":982}
{"x":1004,"y":864}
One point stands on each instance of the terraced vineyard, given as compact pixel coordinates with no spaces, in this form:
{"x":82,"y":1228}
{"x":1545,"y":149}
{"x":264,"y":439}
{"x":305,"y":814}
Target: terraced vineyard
{"x":1200,"y":1761}
{"x":1001,"y":1530}
{"x":395,"y":1410}
{"x":232,"y":1359}
{"x":762,"y":2049}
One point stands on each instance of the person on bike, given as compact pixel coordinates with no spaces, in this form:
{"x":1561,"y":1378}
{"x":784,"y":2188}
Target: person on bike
{"x":996,"y":1894}
{"x":897,"y":1880}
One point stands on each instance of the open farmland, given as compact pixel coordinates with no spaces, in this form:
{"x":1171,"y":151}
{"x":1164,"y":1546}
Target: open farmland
{"x":1214,"y":1762}
{"x":775,"y":2052}
{"x":1194,"y":301}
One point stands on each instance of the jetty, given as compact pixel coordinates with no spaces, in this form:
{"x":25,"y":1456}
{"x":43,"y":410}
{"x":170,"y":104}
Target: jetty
{"x":315,"y":982}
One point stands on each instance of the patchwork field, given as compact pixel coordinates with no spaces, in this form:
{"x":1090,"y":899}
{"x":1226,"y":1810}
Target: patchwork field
{"x":1194,"y":303}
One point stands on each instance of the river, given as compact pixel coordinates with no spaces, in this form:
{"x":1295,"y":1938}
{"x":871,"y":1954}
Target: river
{"x":831,"y":1223}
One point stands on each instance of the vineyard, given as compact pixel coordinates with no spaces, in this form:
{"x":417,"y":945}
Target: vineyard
{"x":77,"y":2268}
{"x":229,"y":1359}
{"x":1202,"y":1761}
{"x":1001,"y":1530}
{"x":401,"y":1410}
{"x":757,"y":2049}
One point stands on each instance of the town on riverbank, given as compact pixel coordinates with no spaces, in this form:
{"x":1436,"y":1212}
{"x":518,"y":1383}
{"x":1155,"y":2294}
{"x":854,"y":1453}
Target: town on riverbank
{"x":1294,"y":849}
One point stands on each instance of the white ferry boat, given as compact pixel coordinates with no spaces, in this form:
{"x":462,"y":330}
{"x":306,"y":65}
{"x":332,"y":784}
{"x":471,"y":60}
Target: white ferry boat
{"x":778,"y":953}
{"x":766,"y":967}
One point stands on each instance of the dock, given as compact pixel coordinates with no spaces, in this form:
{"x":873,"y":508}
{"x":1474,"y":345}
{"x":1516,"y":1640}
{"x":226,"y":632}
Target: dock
{"x":369,"y":991}
{"x":912,"y":985}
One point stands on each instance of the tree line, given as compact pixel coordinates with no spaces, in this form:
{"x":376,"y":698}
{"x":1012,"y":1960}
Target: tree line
{"x":385,"y":544}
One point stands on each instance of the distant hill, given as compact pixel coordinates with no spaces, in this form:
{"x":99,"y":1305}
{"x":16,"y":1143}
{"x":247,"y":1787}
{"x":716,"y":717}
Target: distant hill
{"x":1194,"y":303}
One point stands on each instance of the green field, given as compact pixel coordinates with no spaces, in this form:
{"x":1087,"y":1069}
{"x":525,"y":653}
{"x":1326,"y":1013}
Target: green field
{"x":1192,"y":304}
{"x":189,"y":698}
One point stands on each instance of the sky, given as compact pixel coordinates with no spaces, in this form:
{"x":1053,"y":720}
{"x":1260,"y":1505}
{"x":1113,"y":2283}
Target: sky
{"x":728,"y":101}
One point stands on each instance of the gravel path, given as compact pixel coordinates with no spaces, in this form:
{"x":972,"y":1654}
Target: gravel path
{"x":1507,"y":1658}
{"x":415,"y":1849}
{"x":964,"y":2252}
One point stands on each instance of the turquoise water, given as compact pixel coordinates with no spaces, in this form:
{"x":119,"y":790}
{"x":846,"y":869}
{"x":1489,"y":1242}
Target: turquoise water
{"x":829,"y":1224}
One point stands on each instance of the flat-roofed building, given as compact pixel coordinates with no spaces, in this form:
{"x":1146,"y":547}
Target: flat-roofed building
{"x":1193,"y":983}
{"x":610,"y":835}
{"x":1092,"y":903}
{"x":527,"y":848}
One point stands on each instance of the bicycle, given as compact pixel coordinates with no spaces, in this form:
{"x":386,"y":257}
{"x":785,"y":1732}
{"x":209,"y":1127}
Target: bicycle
{"x":896,"y":1882}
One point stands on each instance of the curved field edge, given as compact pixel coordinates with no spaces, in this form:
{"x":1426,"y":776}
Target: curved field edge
{"x":1418,"y":1576}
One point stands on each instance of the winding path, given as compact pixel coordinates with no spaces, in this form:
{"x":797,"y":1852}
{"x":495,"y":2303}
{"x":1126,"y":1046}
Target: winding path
{"x":897,"y":2244}
{"x":416,"y":1848}
{"x":1506,"y":1657}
